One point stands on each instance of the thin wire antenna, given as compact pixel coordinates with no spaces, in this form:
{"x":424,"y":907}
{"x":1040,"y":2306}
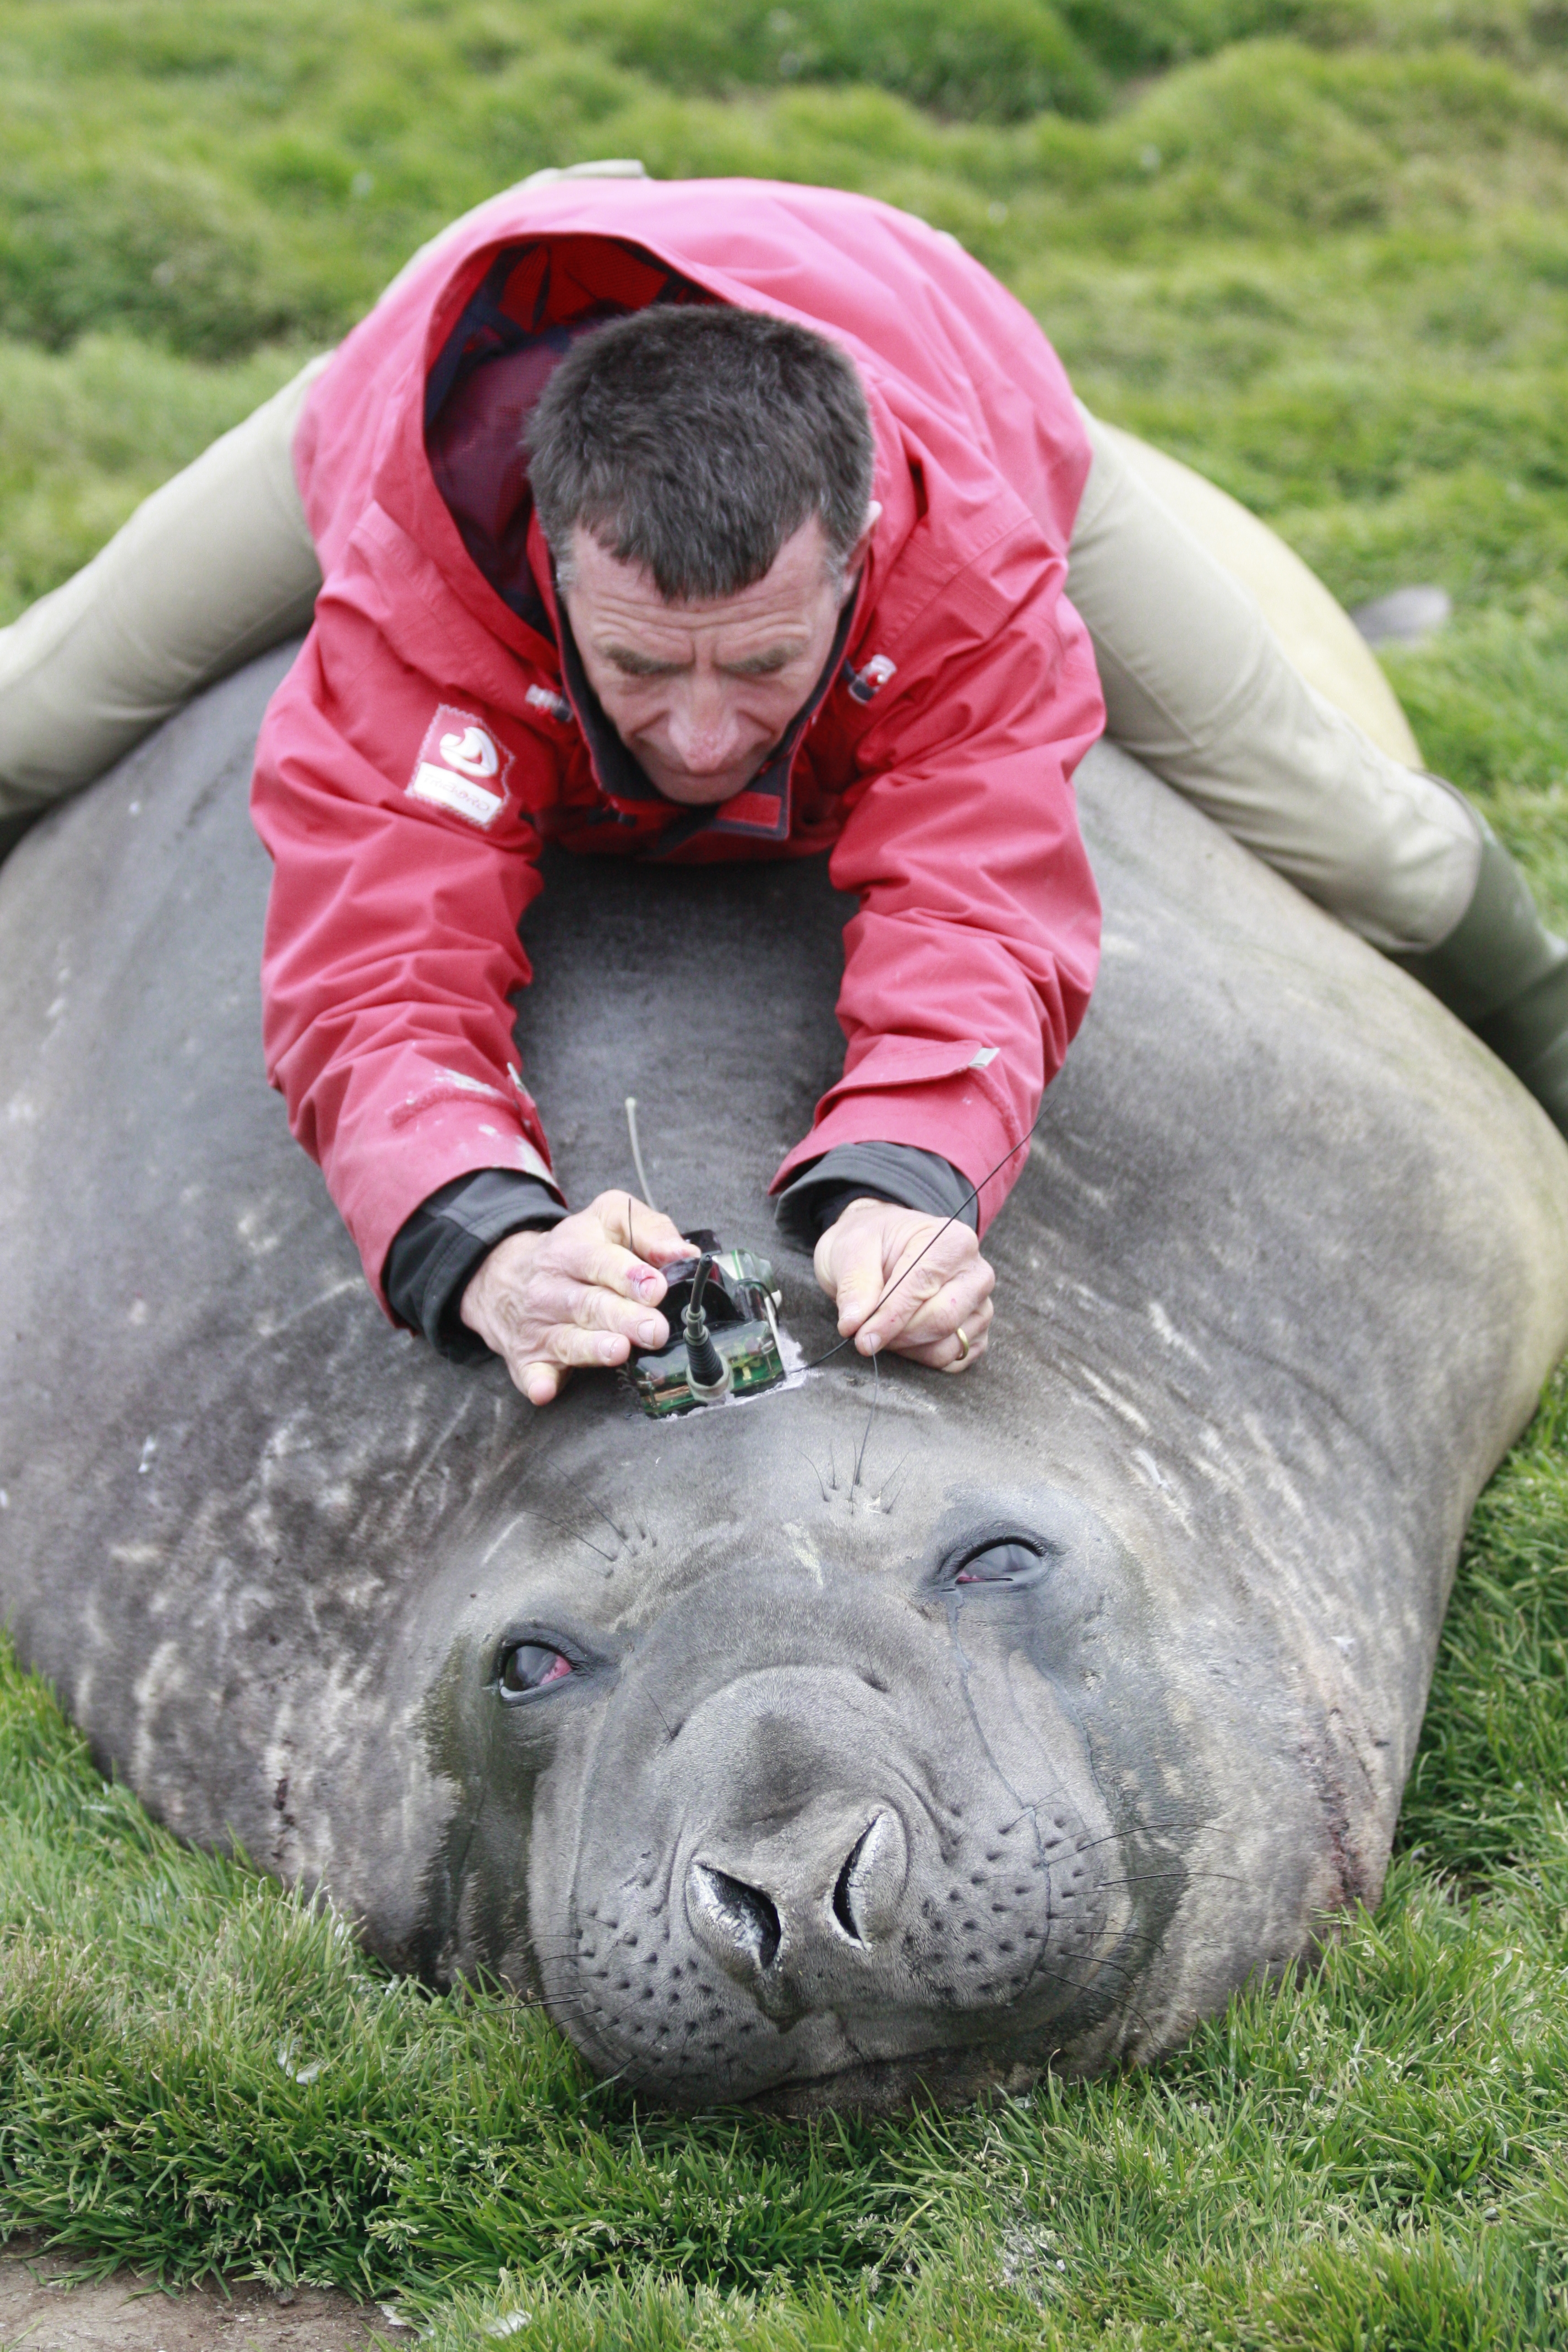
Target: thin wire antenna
{"x":636,"y":1151}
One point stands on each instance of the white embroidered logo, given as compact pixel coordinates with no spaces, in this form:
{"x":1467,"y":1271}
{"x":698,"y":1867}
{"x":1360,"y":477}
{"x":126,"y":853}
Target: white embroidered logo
{"x":461,"y":767}
{"x":472,"y":753}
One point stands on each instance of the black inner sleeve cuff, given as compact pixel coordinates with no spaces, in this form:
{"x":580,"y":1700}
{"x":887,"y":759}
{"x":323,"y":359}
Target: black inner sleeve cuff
{"x":882,"y":1172}
{"x":439,"y":1249}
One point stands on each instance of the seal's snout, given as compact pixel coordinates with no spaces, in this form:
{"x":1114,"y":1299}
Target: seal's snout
{"x":865,"y":1849}
{"x":803,"y":1893}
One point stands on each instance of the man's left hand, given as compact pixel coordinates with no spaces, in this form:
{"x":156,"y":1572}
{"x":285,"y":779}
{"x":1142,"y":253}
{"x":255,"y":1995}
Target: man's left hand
{"x":937,"y":1312}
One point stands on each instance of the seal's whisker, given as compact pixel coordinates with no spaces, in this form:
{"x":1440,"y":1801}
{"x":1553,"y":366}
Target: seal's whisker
{"x":816,"y":1473}
{"x":891,"y":1491}
{"x":562,"y":2006}
{"x":548,"y":2005}
{"x":1158,"y":1877}
{"x":1102,"y":1968}
{"x":1102,"y":1962}
{"x":1087,"y":1845}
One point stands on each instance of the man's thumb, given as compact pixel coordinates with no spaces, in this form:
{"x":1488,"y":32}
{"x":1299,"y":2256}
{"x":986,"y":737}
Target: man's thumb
{"x":857,"y":1295}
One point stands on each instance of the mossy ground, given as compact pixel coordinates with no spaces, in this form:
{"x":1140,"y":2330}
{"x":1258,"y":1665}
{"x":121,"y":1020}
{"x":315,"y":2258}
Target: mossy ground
{"x":1319,"y":247}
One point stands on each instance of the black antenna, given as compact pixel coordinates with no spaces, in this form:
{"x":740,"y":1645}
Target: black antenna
{"x":708,"y":1375}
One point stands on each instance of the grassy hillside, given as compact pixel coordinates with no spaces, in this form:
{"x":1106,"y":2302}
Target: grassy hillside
{"x":1319,"y":247}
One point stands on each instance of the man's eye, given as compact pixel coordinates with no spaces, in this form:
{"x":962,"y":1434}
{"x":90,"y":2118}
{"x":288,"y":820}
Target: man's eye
{"x":1010,"y":1562}
{"x":529,"y":1666}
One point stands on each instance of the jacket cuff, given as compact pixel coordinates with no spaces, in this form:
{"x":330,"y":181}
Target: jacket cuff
{"x":439,"y":1249}
{"x":930,"y":1095}
{"x":883,"y":1172}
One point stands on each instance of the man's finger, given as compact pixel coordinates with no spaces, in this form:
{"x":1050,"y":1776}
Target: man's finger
{"x":927,"y":1297}
{"x":903,"y":1298}
{"x":574,"y":1343}
{"x":964,"y":1300}
{"x":947,"y":1355}
{"x":583,"y":1251}
{"x":857,"y":1276}
{"x":593,"y":1308}
{"x":944,"y":1351}
{"x":943,"y":1347}
{"x":560,"y":1347}
{"x":559,"y":1300}
{"x":647,"y":1233}
{"x":852,"y":1257}
{"x":961,"y":1359}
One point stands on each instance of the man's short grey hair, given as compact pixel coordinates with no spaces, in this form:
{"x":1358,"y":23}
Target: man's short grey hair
{"x":694,"y":441}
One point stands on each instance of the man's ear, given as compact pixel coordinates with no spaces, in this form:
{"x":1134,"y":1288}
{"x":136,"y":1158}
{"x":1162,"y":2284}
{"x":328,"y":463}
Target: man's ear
{"x":856,"y":555}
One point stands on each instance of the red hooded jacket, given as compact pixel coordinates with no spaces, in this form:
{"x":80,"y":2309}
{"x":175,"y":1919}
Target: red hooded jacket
{"x":436,"y":729}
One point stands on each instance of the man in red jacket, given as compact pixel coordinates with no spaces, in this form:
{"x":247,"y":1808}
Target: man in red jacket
{"x":795,"y":584}
{"x":715,"y":520}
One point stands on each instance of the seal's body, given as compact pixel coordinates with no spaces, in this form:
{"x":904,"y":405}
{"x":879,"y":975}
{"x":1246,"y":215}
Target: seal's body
{"x":865,"y":1733}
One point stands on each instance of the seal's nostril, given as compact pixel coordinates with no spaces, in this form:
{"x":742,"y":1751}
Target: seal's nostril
{"x":740,"y":1919}
{"x":841,"y":1911}
{"x":866,"y":1897}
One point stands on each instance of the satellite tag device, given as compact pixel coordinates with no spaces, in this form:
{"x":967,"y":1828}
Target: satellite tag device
{"x":722,"y":1311}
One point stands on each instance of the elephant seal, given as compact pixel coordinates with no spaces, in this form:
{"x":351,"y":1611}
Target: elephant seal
{"x":883,"y":1731}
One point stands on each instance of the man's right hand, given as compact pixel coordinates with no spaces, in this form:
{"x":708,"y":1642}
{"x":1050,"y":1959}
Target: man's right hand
{"x":576,"y":1294}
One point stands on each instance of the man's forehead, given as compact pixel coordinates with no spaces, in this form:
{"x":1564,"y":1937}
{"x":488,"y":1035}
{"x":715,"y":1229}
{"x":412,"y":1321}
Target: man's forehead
{"x":612,"y":599}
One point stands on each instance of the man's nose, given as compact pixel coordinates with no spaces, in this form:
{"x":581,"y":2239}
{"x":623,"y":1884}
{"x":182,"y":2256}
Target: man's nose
{"x":704,"y":733}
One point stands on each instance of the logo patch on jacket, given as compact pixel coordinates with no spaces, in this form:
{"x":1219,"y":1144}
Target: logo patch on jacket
{"x":865,"y":683}
{"x":461,"y":767}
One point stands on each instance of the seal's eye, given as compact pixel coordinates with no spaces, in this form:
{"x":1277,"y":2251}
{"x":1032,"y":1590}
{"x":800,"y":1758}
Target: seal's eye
{"x":530,"y":1666}
{"x":1012,"y":1561}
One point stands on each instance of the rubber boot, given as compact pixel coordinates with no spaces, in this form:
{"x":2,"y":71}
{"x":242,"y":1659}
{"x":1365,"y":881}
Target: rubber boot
{"x":1506,"y":977}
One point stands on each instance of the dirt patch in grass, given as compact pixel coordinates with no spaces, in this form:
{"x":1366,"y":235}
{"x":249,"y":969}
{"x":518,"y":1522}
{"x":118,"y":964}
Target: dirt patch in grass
{"x":40,"y":2311}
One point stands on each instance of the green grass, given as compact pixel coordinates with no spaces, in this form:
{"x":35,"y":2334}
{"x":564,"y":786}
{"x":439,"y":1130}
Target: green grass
{"x":1319,"y":247}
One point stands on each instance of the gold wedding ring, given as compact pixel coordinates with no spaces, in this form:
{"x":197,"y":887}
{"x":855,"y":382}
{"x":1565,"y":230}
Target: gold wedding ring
{"x":963,"y":1344}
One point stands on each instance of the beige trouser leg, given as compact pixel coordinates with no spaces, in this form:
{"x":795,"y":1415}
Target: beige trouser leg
{"x":1197,"y":688}
{"x":211,"y":570}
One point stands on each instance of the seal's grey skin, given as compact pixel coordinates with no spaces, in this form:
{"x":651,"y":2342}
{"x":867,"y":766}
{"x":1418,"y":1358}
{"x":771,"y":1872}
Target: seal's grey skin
{"x":812,"y":1817}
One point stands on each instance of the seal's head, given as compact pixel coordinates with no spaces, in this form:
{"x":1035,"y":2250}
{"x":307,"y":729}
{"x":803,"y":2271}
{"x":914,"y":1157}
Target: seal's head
{"x":823,"y":1813}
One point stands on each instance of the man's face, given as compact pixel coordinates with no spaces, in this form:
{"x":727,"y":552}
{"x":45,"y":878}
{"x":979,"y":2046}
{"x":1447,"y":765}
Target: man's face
{"x":699,"y":694}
